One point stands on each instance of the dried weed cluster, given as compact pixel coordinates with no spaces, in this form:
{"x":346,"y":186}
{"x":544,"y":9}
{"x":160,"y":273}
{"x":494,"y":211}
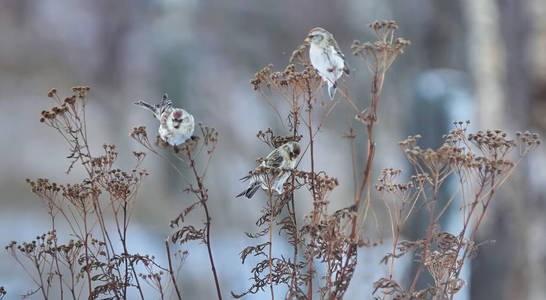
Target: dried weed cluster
{"x":328,"y":239}
{"x":479,"y":163}
{"x":95,"y":262}
{"x":189,"y":153}
{"x":324,"y":243}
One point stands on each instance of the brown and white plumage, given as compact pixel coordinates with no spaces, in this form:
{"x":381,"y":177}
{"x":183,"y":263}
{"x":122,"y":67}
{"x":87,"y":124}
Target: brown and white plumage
{"x":284,"y":158}
{"x":326,"y":57}
{"x":175,"y":124}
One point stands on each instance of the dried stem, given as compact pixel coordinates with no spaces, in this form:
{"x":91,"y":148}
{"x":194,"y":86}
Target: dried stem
{"x":171,"y":270}
{"x":203,"y":198}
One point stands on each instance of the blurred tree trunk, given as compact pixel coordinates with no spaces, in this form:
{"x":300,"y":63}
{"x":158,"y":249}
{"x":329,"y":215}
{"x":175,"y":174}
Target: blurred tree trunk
{"x":536,"y":47}
{"x":499,"y":31}
{"x":535,"y":50}
{"x":486,"y":59}
{"x":486,"y":65}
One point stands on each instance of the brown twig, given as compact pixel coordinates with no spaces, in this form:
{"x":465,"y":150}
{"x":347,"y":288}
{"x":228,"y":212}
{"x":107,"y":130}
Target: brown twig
{"x":203,"y":198}
{"x":171,"y":271}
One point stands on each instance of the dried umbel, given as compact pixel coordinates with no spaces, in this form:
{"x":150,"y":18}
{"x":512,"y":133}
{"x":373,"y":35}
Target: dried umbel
{"x":295,"y":88}
{"x":379,"y":57}
{"x":480,"y":163}
{"x":321,"y":182}
{"x":300,"y":55}
{"x":381,"y":53}
{"x":289,"y":80}
{"x":274,"y":141}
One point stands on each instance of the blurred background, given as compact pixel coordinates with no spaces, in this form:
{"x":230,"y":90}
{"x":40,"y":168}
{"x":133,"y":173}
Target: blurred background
{"x":478,"y":60}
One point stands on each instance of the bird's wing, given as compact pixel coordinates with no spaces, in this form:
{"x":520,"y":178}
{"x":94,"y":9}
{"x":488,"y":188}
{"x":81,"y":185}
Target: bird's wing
{"x":165,"y":104}
{"x":334,"y":44}
{"x":153,"y":108}
{"x":337,"y":51}
{"x":274,"y":159}
{"x":164,"y":115}
{"x":145,"y":105}
{"x":165,"y":100}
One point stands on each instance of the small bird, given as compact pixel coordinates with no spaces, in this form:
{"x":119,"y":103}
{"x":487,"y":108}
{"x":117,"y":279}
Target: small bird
{"x":175,"y":124}
{"x":283,"y":158}
{"x":326,"y":57}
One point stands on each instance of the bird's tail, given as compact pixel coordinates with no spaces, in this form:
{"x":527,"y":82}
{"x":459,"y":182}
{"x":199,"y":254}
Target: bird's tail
{"x":252,"y":188}
{"x":247,"y":177}
{"x":331,"y":90}
{"x":250,"y":191}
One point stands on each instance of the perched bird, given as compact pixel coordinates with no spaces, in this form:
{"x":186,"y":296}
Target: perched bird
{"x":283,"y":158}
{"x":175,"y":124}
{"x":326,"y":57}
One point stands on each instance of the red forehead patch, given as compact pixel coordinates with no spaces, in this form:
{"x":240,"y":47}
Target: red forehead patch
{"x":177,"y":114}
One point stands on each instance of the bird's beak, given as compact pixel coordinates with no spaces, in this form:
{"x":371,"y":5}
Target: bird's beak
{"x":176,"y":124}
{"x":307,"y":39}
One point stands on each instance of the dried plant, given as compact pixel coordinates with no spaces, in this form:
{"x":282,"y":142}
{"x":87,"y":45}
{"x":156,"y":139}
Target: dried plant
{"x":379,"y":57}
{"x":330,"y":239}
{"x":189,"y":153}
{"x":480,"y":163}
{"x":96,"y":258}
